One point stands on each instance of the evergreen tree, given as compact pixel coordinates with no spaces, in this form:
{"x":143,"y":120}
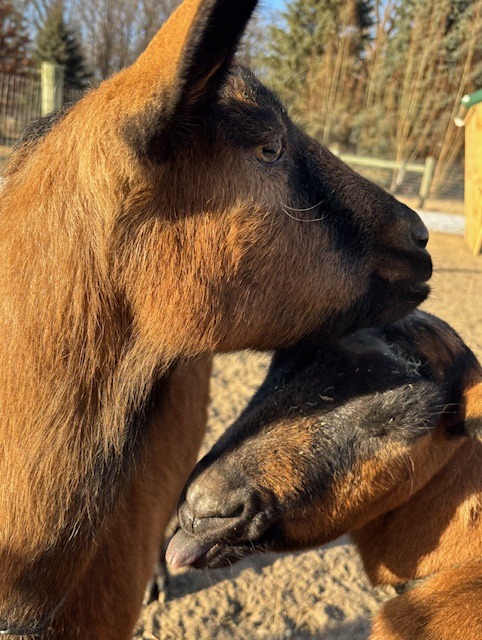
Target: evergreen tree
{"x":292,"y":44}
{"x":379,"y":77}
{"x":305,"y":29}
{"x":57,"y":42}
{"x":14,"y":41}
{"x":316,"y":54}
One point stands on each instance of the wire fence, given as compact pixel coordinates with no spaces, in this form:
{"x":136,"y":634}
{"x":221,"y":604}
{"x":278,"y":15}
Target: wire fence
{"x":21,"y":103}
{"x":410,"y":180}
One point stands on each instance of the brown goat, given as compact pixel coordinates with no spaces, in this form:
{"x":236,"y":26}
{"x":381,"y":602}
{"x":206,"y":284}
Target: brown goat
{"x":377,"y":434}
{"x":141,"y":230}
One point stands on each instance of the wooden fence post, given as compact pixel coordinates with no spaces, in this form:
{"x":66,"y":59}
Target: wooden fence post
{"x":52,"y":77}
{"x":473,"y":178}
{"x":427,"y":179}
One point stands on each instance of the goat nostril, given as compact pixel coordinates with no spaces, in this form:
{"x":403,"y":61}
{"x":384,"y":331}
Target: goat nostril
{"x":421,"y":239}
{"x":202,"y":501}
{"x":208,"y":512}
{"x":420,"y":234}
{"x":195,"y":515}
{"x":236,"y":512}
{"x":229,"y":508}
{"x":415,"y":228}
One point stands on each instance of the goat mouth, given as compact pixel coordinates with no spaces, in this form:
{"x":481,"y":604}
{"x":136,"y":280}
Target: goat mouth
{"x":186,"y":550}
{"x":399,"y":298}
{"x":416,"y":292}
{"x":415,"y":277}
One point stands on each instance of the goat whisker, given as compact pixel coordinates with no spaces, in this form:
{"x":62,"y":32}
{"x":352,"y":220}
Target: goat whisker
{"x":307,"y":208}
{"x":286,"y":207}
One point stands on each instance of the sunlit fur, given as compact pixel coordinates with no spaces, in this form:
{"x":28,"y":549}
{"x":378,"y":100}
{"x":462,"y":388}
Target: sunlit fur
{"x":138,"y":233}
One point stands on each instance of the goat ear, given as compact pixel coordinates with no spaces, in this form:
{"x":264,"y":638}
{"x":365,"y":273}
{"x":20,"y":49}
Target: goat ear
{"x":473,"y":411}
{"x":179,"y":73}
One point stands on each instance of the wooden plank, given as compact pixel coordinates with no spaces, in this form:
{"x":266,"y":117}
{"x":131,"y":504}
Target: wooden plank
{"x":477,"y":176}
{"x":473,"y":179}
{"x":478,"y":242}
{"x":378,"y":163}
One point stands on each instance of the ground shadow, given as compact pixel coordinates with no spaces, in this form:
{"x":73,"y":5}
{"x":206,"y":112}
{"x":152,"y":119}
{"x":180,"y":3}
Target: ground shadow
{"x":178,"y":585}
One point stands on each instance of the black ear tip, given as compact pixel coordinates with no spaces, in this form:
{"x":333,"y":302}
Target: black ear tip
{"x":235,"y":5}
{"x":229,"y":15}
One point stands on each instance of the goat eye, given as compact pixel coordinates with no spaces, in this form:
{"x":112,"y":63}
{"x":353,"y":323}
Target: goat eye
{"x":269,"y":153}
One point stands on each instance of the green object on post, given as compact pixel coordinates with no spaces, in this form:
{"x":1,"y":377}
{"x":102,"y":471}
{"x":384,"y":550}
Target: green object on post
{"x":471,"y":98}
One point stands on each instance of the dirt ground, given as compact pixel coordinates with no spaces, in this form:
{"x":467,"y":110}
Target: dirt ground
{"x":322,"y":593}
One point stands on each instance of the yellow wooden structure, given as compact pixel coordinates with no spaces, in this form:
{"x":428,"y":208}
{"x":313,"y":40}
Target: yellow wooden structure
{"x":473,"y":174}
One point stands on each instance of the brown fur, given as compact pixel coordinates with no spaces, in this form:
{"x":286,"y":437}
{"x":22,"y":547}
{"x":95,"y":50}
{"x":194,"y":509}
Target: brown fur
{"x":370,"y":489}
{"x":438,"y":532}
{"x":106,"y":600}
{"x":281,"y":471}
{"x":414,"y":514}
{"x":427,"y":529}
{"x":446,"y":607}
{"x":137,"y":234}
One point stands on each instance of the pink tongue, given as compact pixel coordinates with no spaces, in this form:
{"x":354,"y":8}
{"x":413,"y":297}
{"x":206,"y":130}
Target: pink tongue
{"x":184,"y":550}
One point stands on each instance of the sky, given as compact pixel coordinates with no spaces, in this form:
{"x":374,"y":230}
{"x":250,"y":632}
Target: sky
{"x":273,"y":4}
{"x":266,"y":7}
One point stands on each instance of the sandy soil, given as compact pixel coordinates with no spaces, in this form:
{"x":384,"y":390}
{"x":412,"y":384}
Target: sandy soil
{"x":321,"y":593}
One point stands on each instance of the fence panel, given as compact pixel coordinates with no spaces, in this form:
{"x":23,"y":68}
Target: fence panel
{"x":20,"y":103}
{"x":410,"y":180}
